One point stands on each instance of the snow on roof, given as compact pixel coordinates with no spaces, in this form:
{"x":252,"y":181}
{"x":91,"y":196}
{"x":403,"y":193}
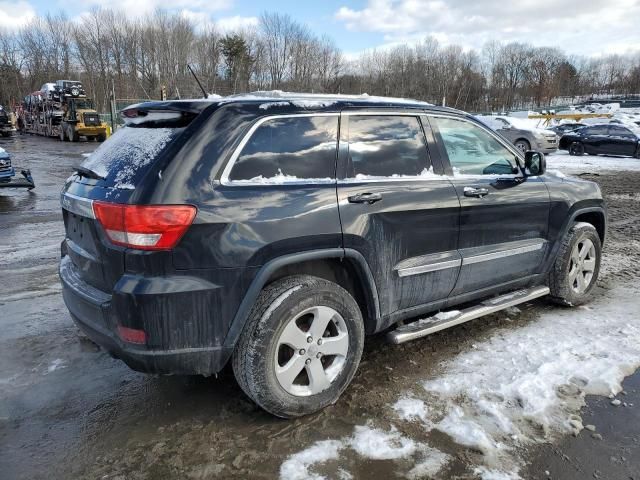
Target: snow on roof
{"x":279,"y":95}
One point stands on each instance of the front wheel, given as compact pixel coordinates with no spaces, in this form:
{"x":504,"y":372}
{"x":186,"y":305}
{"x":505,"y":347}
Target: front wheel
{"x":577,"y":265}
{"x":301,"y":346}
{"x":577,"y":149}
{"x":522,"y":145}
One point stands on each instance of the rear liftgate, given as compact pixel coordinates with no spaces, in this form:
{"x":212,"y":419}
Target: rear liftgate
{"x":427,"y":326}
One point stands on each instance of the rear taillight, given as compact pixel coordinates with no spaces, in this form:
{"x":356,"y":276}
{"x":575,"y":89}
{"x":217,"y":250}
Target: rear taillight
{"x":132,"y":335}
{"x":145,"y":227}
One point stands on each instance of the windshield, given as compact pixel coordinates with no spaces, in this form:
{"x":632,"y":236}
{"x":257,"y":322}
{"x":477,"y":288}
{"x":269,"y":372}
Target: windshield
{"x":83,"y":104}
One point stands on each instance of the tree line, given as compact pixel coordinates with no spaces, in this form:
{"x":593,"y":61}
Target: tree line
{"x":139,"y":58}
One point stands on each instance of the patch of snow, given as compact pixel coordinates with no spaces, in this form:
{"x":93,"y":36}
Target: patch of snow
{"x":433,"y":461}
{"x":447,"y":315}
{"x":152,"y":116}
{"x":411,"y":409}
{"x":369,"y":443}
{"x":377,"y":444}
{"x":128,"y":150}
{"x":297,"y":466}
{"x":528,"y":384}
{"x":313,"y":103}
{"x":267,"y":106}
{"x":488,"y":474}
{"x":281,"y":178}
{"x":425,"y":173}
{"x":571,"y":165}
{"x":520,"y":386}
{"x":55,"y":365}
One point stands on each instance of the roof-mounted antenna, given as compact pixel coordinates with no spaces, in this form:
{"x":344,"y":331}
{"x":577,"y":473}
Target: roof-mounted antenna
{"x":204,"y":92}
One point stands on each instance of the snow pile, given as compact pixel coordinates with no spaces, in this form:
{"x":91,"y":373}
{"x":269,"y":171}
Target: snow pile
{"x":128,"y":150}
{"x":521,"y":386}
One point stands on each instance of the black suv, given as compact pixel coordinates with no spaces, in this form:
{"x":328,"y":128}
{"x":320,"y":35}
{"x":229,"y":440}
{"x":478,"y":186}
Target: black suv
{"x":275,"y":231}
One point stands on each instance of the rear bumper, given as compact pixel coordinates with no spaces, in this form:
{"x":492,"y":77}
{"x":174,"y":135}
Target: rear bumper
{"x":94,"y":313}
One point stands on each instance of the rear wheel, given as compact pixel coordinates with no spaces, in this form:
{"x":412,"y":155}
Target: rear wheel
{"x":102,"y":137}
{"x":576,"y":148}
{"x":522,"y":145}
{"x":73,"y":135}
{"x":577,"y":265}
{"x":300,"y":347}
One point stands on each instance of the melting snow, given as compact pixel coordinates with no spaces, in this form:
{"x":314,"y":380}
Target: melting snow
{"x":367,"y":442}
{"x":296,"y":467}
{"x":518,"y":387}
{"x":281,"y":178}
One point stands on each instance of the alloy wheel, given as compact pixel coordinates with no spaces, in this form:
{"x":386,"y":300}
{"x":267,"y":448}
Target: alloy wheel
{"x":583,"y":265}
{"x":311,"y":351}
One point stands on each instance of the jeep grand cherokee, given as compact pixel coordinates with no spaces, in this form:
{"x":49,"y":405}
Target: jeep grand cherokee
{"x":276,"y":231}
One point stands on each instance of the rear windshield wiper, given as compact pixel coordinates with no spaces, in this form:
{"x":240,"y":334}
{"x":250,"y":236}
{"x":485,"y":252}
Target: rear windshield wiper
{"x":85,"y":172}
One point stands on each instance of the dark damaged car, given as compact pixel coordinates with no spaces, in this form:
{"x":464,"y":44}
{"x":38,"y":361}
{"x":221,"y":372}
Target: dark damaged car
{"x":275,"y":232}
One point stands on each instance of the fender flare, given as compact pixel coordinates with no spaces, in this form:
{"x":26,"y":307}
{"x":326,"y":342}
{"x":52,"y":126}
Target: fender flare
{"x":565,"y":228}
{"x":265,"y":272}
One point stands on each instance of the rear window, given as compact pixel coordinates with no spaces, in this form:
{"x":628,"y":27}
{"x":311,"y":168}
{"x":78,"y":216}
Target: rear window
{"x":128,"y":153}
{"x":289,"y":149}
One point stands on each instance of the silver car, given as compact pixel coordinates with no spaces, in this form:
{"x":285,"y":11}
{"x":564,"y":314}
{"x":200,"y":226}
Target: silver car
{"x":523,"y":136}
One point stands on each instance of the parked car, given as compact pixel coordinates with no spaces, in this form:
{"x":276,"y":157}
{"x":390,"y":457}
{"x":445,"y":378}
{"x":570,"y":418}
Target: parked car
{"x":604,"y":139}
{"x":274,"y":232}
{"x":521,"y":134}
{"x":6,"y":170}
{"x":563,"y":128}
{"x":6,"y":124}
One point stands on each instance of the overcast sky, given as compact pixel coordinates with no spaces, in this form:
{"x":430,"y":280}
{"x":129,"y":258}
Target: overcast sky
{"x":588,"y":27}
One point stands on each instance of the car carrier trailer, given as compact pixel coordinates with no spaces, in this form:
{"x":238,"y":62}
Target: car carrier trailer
{"x":63,"y":110}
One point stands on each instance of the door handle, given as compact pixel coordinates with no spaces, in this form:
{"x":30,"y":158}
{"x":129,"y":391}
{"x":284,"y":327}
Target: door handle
{"x":368,"y":198}
{"x":475,"y":192}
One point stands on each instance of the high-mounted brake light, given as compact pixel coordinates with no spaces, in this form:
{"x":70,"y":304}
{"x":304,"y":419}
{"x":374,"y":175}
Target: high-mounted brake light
{"x":144,"y":227}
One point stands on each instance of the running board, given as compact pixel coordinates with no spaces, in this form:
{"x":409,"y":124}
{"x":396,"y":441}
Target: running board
{"x":442,"y":320}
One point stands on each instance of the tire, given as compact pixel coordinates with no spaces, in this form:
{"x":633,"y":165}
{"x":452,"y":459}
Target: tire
{"x":73,"y":135}
{"x":576,"y":148}
{"x":289,"y":312}
{"x":101,"y":138}
{"x":580,"y":245}
{"x":522,"y":145}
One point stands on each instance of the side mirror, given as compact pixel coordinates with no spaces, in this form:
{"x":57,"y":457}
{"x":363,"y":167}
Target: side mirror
{"x":534,"y":163}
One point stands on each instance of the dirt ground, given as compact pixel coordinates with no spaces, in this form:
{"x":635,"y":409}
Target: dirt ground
{"x":69,"y":410}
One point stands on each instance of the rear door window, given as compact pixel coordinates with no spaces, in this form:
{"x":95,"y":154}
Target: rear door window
{"x":285,"y":149}
{"x":387,"y":146}
{"x":598,"y":130}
